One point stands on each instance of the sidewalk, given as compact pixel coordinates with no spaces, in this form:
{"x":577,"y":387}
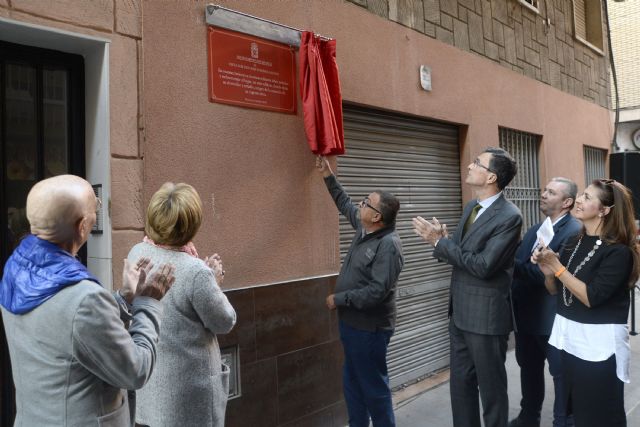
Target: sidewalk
{"x":432,"y":408}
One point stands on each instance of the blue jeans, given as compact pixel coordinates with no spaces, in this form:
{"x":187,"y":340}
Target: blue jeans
{"x":365,"y":378}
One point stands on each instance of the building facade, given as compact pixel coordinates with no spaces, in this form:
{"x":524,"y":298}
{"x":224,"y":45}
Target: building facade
{"x":116,"y":90}
{"x":624,"y":17}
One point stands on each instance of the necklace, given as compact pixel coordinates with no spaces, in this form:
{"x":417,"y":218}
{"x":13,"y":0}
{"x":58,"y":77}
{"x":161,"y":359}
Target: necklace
{"x":568,"y":301}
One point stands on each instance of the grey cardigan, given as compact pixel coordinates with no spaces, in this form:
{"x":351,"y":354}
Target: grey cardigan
{"x":73,"y":359}
{"x":189,"y":386}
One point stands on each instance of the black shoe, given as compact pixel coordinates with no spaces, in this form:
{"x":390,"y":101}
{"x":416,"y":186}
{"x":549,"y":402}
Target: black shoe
{"x":520,"y":421}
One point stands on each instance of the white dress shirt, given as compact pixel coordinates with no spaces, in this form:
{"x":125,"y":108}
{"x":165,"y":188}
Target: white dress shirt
{"x":593,"y":342}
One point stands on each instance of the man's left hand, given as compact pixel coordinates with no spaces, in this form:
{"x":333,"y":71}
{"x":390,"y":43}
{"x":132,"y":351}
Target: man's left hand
{"x":331,"y":302}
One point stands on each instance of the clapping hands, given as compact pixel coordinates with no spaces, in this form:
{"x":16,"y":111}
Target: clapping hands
{"x":134,"y":276}
{"x":215,"y":263}
{"x":430,"y":231}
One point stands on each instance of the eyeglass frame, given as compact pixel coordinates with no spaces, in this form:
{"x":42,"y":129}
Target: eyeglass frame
{"x":476,"y":162}
{"x":365,"y":202}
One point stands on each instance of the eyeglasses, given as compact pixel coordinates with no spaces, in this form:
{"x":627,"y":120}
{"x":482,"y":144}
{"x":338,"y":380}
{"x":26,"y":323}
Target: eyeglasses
{"x":365,"y":202}
{"x":607,"y":181}
{"x":476,"y":162}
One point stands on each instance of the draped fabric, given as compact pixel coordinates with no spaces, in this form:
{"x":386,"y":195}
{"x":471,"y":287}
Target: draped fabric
{"x":321,"y":95}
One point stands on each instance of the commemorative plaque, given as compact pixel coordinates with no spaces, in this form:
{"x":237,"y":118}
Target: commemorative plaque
{"x":251,"y":72}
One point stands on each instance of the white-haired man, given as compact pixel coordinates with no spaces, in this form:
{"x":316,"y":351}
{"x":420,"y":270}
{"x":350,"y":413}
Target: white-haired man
{"x":72,"y":357}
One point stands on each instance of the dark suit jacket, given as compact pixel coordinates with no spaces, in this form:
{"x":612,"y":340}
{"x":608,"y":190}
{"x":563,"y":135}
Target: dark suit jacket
{"x":534,"y":307}
{"x":482,"y":260}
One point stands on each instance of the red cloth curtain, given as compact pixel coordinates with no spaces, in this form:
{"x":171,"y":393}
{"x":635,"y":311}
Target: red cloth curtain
{"x":321,"y":96}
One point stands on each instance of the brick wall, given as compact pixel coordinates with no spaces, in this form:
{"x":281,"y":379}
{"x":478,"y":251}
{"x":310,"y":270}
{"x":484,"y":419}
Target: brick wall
{"x":625,"y":38}
{"x":506,"y":32}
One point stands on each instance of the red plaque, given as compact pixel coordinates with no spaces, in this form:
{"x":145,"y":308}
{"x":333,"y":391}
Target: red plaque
{"x":251,"y":72}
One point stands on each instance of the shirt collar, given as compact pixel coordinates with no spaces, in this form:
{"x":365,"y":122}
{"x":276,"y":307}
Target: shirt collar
{"x":559,"y":219}
{"x":489,"y":200}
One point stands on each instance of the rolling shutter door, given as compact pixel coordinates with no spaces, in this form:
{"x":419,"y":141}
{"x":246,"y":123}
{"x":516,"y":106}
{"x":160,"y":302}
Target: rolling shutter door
{"x":418,"y":161}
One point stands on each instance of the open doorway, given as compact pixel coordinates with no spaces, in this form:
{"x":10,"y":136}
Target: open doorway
{"x":42,"y":131}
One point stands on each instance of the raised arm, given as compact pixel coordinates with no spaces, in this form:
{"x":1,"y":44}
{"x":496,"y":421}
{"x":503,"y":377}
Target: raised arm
{"x":340,"y":197}
{"x":104,"y":347}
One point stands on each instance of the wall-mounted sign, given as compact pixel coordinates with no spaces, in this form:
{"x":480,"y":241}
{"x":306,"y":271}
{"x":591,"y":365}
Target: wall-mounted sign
{"x":251,"y":72}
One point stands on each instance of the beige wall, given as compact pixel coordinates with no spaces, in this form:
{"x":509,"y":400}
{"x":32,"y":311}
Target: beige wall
{"x":273,"y":221}
{"x":539,"y":43}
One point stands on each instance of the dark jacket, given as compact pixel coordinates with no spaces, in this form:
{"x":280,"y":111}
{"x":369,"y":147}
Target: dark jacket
{"x":365,"y":289}
{"x":482,"y":261}
{"x":533,"y":306}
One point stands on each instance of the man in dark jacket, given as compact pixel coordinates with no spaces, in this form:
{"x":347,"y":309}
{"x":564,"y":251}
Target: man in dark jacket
{"x":535,"y":308}
{"x":365,"y":299}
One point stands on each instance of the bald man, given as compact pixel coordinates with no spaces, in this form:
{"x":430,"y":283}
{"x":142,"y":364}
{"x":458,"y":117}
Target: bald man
{"x":72,"y":357}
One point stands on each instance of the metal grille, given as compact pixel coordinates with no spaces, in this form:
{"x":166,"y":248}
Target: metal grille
{"x":418,"y":161}
{"x":594,"y":164}
{"x":524,"y":190}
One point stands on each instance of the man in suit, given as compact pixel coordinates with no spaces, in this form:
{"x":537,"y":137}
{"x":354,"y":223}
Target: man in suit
{"x":535,"y":308}
{"x":481,"y":253}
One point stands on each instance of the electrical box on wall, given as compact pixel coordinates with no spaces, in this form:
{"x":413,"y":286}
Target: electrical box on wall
{"x":231,"y":358}
{"x":425,"y":78}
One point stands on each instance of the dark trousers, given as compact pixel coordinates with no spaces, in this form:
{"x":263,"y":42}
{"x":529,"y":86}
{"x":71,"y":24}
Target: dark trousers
{"x":365,"y":378}
{"x":477,"y":363}
{"x":594,"y":393}
{"x":531,"y":353}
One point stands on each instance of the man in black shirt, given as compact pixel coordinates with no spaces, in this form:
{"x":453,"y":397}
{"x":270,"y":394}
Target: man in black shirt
{"x":365,"y":299}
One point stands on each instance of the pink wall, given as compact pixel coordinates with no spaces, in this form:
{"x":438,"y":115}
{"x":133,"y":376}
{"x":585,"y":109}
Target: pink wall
{"x":273,"y":220}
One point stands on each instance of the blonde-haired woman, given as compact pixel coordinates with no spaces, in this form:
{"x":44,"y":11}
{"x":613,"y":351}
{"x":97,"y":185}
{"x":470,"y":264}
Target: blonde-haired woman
{"x":592,"y":278}
{"x":189,"y":384}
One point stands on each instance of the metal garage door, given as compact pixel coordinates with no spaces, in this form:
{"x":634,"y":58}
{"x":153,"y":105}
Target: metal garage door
{"x":418,"y":161}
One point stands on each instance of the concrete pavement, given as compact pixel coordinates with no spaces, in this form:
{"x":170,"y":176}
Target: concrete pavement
{"x":432,"y":408}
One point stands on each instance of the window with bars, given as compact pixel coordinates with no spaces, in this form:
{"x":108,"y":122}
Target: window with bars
{"x":524,"y":190}
{"x":587,"y":23}
{"x":594,"y":164}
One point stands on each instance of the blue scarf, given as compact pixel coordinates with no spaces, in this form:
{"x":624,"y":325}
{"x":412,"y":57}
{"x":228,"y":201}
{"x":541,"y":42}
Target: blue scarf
{"x":35,"y":272}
